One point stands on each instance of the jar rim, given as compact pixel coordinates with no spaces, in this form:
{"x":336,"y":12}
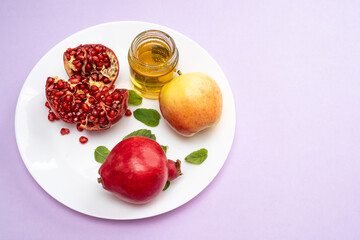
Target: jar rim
{"x":160,"y":35}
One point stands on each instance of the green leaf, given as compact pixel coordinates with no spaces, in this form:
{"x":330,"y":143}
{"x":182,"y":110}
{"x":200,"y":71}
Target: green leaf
{"x":149,"y":117}
{"x":164,"y":148}
{"x":101,"y":153}
{"x":134,"y":98}
{"x":166,"y":185}
{"x":197,"y":157}
{"x":141,"y":132}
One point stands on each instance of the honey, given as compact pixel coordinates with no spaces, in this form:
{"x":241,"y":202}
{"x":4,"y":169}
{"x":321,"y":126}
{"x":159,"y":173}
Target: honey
{"x":153,"y":59}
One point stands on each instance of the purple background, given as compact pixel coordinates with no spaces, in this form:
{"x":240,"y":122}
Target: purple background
{"x":294,"y":168}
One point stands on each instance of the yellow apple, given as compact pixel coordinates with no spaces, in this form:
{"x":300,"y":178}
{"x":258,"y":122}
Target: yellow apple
{"x":190,"y":103}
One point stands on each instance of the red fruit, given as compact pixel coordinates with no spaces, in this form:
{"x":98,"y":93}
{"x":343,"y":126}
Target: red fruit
{"x":51,"y":116}
{"x":79,"y":128}
{"x":128,"y":113}
{"x":47,"y":105}
{"x":64,"y":131}
{"x":86,"y":101}
{"x":136,"y":170}
{"x":89,"y":59}
{"x":83,"y":139}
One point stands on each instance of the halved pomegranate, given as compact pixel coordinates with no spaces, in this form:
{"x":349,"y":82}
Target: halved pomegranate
{"x":92,"y":58}
{"x":87,"y":100}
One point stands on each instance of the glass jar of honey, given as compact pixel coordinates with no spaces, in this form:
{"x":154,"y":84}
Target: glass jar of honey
{"x":153,"y":58}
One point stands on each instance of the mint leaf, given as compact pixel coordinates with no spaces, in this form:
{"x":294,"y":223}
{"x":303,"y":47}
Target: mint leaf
{"x":164,"y":148}
{"x":101,"y":153}
{"x":134,"y":98}
{"x":197,"y":157}
{"x":166,"y":185}
{"x":149,"y":117}
{"x":141,"y":132}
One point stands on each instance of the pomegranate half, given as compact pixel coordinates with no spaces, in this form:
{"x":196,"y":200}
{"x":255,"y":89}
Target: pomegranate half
{"x":86,"y":100}
{"x":92,"y":58}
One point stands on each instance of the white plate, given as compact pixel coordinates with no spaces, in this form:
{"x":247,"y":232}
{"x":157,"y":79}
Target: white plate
{"x":67,"y":170}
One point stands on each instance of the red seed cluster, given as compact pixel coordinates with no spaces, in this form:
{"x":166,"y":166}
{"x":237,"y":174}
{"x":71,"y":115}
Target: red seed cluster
{"x":89,"y":58}
{"x":80,"y":100}
{"x":89,"y":98}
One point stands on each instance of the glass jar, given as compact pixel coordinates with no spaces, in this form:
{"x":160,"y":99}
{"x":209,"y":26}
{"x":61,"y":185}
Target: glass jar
{"x":153,"y":59}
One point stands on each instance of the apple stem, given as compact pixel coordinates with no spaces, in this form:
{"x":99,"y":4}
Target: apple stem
{"x":179,"y":72}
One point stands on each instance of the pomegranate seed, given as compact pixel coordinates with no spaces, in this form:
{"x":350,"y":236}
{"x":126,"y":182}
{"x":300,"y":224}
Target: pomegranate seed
{"x":91,"y":101}
{"x":91,"y":118}
{"x":97,"y":96}
{"x":74,"y":80}
{"x":51,"y":116}
{"x":67,"y":55}
{"x":109,"y":99}
{"x":47,"y":105}
{"x":94,"y":88}
{"x":79,"y":128}
{"x":68,"y":98}
{"x":60,"y":84}
{"x":88,"y":67}
{"x":128,"y":113}
{"x":105,"y":89}
{"x":106,"y":81}
{"x":95,"y":58}
{"x":80,"y":57}
{"x":83,"y":140}
{"x":78,"y":66}
{"x":95,"y":113}
{"x":115,"y":96}
{"x":102,"y":113}
{"x":98,"y":48}
{"x":64,"y":131}
{"x":102,"y":120}
{"x":112,"y":113}
{"x":85,"y":107}
{"x":50,"y":80}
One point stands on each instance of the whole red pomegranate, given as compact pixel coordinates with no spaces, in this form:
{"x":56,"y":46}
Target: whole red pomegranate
{"x":136,"y":170}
